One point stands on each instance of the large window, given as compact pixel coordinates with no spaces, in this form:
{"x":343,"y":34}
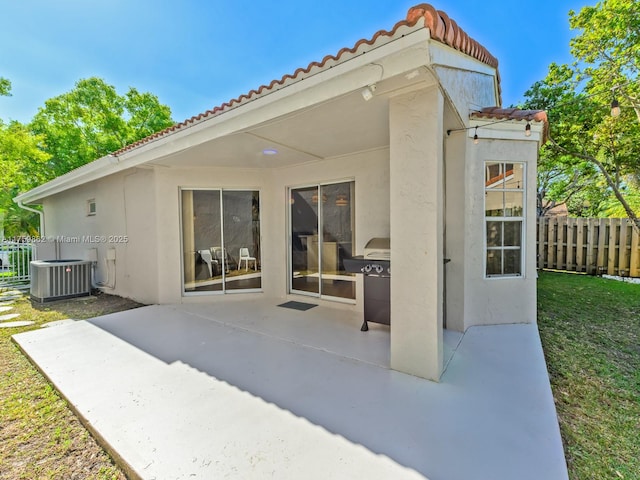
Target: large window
{"x":321,"y":223}
{"x":504,"y":218}
{"x":221,"y":240}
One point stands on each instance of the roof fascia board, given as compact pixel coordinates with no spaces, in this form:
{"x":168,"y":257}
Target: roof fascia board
{"x":102,"y":167}
{"x":444,"y":56}
{"x":407,"y":50}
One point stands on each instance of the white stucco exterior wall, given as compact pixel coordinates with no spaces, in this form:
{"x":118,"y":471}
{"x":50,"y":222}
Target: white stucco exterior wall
{"x":369,"y":170}
{"x":498,"y":300}
{"x":455,"y":230}
{"x":416,"y":175}
{"x":125,"y":221}
{"x":144,"y":205}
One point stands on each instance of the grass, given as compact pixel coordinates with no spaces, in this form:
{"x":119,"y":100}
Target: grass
{"x":590,"y":330}
{"x":40,"y":438}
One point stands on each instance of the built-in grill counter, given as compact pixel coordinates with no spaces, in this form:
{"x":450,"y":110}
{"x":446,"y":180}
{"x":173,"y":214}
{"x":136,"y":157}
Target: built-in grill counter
{"x":375,"y":265}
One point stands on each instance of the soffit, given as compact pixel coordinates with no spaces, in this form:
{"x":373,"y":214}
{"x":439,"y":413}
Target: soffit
{"x":342,"y":126}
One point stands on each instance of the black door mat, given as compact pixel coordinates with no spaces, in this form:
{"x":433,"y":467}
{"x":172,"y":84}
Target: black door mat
{"x":298,"y":305}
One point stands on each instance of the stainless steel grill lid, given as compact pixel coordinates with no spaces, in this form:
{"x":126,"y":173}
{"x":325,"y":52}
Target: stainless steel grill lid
{"x":378,"y":249}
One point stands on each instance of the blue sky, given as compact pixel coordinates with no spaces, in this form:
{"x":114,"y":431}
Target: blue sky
{"x":195,"y":55}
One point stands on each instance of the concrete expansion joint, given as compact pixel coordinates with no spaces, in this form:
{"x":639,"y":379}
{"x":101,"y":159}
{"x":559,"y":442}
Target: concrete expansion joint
{"x":453,"y":354}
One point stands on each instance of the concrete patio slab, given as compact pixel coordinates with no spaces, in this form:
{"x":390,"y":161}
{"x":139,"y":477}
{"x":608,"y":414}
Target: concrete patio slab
{"x":250,"y":390}
{"x":57,"y":323}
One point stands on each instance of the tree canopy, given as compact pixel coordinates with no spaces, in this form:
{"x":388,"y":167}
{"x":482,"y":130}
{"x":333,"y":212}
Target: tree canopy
{"x":593,"y":156}
{"x":5,"y":87}
{"x":22,"y":163}
{"x":69,"y":131}
{"x":92,"y":120}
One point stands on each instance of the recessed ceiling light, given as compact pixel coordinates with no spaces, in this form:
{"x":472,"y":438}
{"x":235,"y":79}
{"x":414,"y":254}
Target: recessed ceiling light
{"x":269,"y":151}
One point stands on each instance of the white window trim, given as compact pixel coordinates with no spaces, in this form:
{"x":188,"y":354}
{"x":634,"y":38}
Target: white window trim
{"x":91,"y":212}
{"x":522,"y":218}
{"x":224,"y":291}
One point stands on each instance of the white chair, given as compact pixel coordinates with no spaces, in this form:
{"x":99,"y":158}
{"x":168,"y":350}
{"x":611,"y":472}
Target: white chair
{"x":220,"y":256}
{"x":244,"y":255}
{"x":208,"y":259}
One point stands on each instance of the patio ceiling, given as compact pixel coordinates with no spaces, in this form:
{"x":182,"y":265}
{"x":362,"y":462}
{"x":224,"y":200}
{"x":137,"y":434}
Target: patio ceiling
{"x":341,"y":126}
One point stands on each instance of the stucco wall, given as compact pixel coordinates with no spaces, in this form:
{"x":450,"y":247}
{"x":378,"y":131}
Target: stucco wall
{"x":468,"y":90}
{"x":417,"y":242}
{"x":455,"y":233}
{"x":143,"y":205}
{"x":498,"y":300}
{"x":124,"y":221}
{"x":369,"y":170}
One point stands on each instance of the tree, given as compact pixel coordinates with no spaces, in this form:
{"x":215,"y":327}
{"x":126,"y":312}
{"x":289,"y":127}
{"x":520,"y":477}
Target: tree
{"x":23,"y":166}
{"x":92,"y":120}
{"x":587,"y":142}
{"x":5,"y":87}
{"x":69,"y":131}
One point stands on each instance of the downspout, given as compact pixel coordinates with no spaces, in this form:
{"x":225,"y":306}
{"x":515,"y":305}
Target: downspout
{"x":39,"y":212}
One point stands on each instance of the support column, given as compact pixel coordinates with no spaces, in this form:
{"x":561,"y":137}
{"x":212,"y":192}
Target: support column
{"x":416,"y":201}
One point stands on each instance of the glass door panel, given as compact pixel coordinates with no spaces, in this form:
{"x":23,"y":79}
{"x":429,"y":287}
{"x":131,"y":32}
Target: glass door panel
{"x":242,"y":239}
{"x":305,"y":253}
{"x":317,"y":261}
{"x":201,"y":233}
{"x":337,"y":240}
{"x":221,"y":240}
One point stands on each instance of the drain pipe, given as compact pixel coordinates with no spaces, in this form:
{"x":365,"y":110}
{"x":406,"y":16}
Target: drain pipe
{"x":39,"y":212}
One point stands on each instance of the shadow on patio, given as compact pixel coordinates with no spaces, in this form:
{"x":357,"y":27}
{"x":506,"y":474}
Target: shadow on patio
{"x":491,"y":417}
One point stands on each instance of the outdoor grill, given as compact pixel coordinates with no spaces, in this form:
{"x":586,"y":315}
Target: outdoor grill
{"x":375,"y":265}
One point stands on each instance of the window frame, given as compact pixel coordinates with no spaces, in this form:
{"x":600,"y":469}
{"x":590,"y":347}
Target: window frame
{"x":224,"y":291}
{"x":318,"y":185}
{"x":91,"y":212}
{"x":503,"y":219}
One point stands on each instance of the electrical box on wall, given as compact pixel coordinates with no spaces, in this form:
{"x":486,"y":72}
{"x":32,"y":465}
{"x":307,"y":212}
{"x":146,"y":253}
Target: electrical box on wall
{"x":92,"y":254}
{"x":111,"y":254}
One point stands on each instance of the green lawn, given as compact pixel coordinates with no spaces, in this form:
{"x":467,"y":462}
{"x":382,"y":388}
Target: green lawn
{"x":590,"y":330}
{"x":40,"y":438}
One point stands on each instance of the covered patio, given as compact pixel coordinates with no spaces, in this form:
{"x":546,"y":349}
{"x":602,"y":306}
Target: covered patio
{"x":248,"y":389}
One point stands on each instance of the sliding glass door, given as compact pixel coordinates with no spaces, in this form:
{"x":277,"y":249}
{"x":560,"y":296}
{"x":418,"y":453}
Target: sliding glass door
{"x":321,"y":235}
{"x":220,"y":240}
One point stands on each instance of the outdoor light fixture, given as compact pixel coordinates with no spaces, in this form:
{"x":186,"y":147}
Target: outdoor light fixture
{"x":615,"y":107}
{"x":367,"y":92}
{"x":475,"y":137}
{"x":527,"y":130}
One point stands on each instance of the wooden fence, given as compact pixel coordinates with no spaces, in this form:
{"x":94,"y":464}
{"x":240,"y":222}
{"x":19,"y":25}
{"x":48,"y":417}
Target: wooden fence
{"x":593,"y":245}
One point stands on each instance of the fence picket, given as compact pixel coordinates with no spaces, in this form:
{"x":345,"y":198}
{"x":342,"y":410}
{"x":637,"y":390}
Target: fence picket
{"x":15,"y":258}
{"x":612,"y":246}
{"x":634,"y":269}
{"x":591,"y":245}
{"x":561,"y":243}
{"x":580,"y":246}
{"x":623,"y":247}
{"x":551,"y":240}
{"x":542,"y":236}
{"x":570,"y":259}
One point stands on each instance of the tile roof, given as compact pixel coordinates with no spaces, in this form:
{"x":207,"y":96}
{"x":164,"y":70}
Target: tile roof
{"x":499,"y":113}
{"x":441,"y":28}
{"x":446,"y":31}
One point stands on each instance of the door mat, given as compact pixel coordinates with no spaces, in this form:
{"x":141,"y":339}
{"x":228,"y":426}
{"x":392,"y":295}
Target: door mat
{"x":298,"y":305}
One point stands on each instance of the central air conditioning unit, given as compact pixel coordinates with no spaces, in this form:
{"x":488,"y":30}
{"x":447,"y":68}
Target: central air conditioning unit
{"x":59,"y":279}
